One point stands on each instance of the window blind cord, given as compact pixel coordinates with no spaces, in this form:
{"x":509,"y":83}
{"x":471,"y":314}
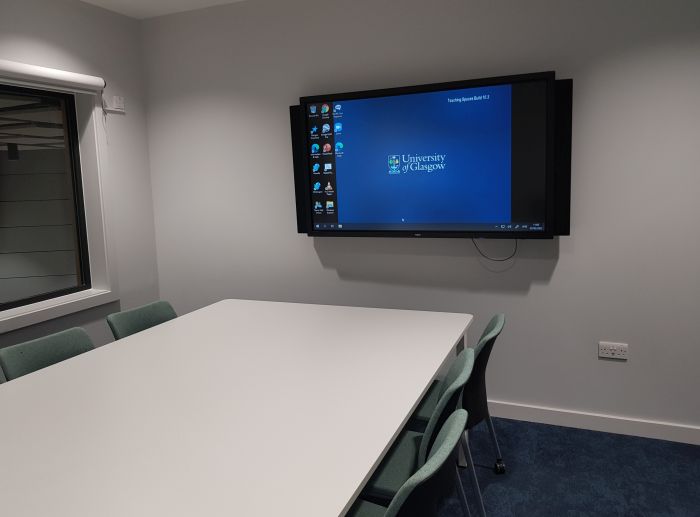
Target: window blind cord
{"x":104,"y":117}
{"x":505,"y":259}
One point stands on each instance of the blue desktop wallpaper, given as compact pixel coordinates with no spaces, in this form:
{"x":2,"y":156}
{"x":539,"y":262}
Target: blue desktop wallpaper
{"x":438,"y":157}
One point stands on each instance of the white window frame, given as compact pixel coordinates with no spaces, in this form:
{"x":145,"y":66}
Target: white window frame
{"x":92,"y":139}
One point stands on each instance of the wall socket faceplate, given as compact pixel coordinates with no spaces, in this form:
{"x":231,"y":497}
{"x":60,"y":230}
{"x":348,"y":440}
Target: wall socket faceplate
{"x":609,"y":350}
{"x":116,"y":105}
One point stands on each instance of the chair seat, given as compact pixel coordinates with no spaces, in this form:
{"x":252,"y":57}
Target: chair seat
{"x":366,"y":509}
{"x":400,"y":463}
{"x":425,"y":408}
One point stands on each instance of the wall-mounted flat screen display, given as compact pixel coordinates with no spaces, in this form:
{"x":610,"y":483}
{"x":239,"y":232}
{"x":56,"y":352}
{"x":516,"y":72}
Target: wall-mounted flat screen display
{"x":462,"y":158}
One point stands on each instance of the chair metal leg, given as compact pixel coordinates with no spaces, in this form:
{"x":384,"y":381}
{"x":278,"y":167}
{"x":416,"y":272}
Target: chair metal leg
{"x":472,"y":473}
{"x":462,"y":496}
{"x":499,"y":467}
{"x":461,"y":457}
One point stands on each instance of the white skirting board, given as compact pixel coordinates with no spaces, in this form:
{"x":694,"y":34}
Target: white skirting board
{"x":596,"y":421}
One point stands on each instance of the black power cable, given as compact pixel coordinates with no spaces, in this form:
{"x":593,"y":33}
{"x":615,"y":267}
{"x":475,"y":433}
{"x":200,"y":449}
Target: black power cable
{"x":515,"y":250}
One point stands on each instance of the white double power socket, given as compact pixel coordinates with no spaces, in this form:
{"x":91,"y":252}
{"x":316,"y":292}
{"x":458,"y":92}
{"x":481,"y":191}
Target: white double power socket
{"x":115,"y":105}
{"x":611,"y":350}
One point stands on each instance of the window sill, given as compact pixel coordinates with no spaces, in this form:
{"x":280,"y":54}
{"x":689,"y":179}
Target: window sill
{"x":34,"y":313}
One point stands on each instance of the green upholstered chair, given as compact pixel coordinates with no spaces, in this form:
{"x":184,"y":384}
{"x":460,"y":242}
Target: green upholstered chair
{"x":426,"y":407}
{"x":474,"y":401}
{"x":420,"y":494}
{"x":30,"y":356}
{"x":410,"y":451}
{"x":130,"y":322}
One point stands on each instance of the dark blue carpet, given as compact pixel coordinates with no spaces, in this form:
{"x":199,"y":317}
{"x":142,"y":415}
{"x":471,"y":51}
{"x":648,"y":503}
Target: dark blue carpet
{"x":560,"y":471}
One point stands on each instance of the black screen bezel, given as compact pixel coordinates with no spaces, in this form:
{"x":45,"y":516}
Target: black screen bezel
{"x":549,"y":226}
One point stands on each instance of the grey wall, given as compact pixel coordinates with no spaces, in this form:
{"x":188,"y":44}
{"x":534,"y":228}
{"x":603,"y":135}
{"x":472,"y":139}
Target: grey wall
{"x":219,"y":84}
{"x":74,"y":36}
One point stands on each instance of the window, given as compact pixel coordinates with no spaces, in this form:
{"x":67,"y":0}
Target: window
{"x":43,"y":237}
{"x":47,"y":229}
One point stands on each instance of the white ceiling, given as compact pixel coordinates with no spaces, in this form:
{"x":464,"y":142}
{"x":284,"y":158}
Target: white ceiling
{"x":150,"y":8}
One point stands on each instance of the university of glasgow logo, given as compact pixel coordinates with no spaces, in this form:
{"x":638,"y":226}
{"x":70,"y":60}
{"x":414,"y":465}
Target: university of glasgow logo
{"x":394,"y":164}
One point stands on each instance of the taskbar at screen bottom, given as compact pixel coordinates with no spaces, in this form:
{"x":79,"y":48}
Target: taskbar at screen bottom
{"x":417,"y":227}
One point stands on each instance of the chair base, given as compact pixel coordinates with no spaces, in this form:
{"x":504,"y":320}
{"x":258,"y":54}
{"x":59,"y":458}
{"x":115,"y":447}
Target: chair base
{"x":499,"y":467}
{"x":472,"y":474}
{"x":462,"y":497}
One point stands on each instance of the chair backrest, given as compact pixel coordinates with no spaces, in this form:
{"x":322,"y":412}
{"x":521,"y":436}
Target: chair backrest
{"x":490,"y":333}
{"x":130,"y":322}
{"x":450,"y":399}
{"x":474,"y":400}
{"x":30,"y":356}
{"x":417,"y":488}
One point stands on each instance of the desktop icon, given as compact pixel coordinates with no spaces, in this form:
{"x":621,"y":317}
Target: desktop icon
{"x":317,"y":185}
{"x":312,"y":109}
{"x":329,"y":187}
{"x":326,"y":148}
{"x":339,"y":147}
{"x":315,"y":148}
{"x":338,"y":127}
{"x":325,"y":109}
{"x":318,"y":205}
{"x":330,"y":205}
{"x":316,"y":167}
{"x":337,"y":108}
{"x":314,"y":130}
{"x":326,"y":128}
{"x":327,"y":167}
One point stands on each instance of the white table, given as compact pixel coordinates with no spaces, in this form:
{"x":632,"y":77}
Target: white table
{"x":240,"y":409}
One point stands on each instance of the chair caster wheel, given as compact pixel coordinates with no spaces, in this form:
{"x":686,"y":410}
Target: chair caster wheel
{"x":499,"y":467}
